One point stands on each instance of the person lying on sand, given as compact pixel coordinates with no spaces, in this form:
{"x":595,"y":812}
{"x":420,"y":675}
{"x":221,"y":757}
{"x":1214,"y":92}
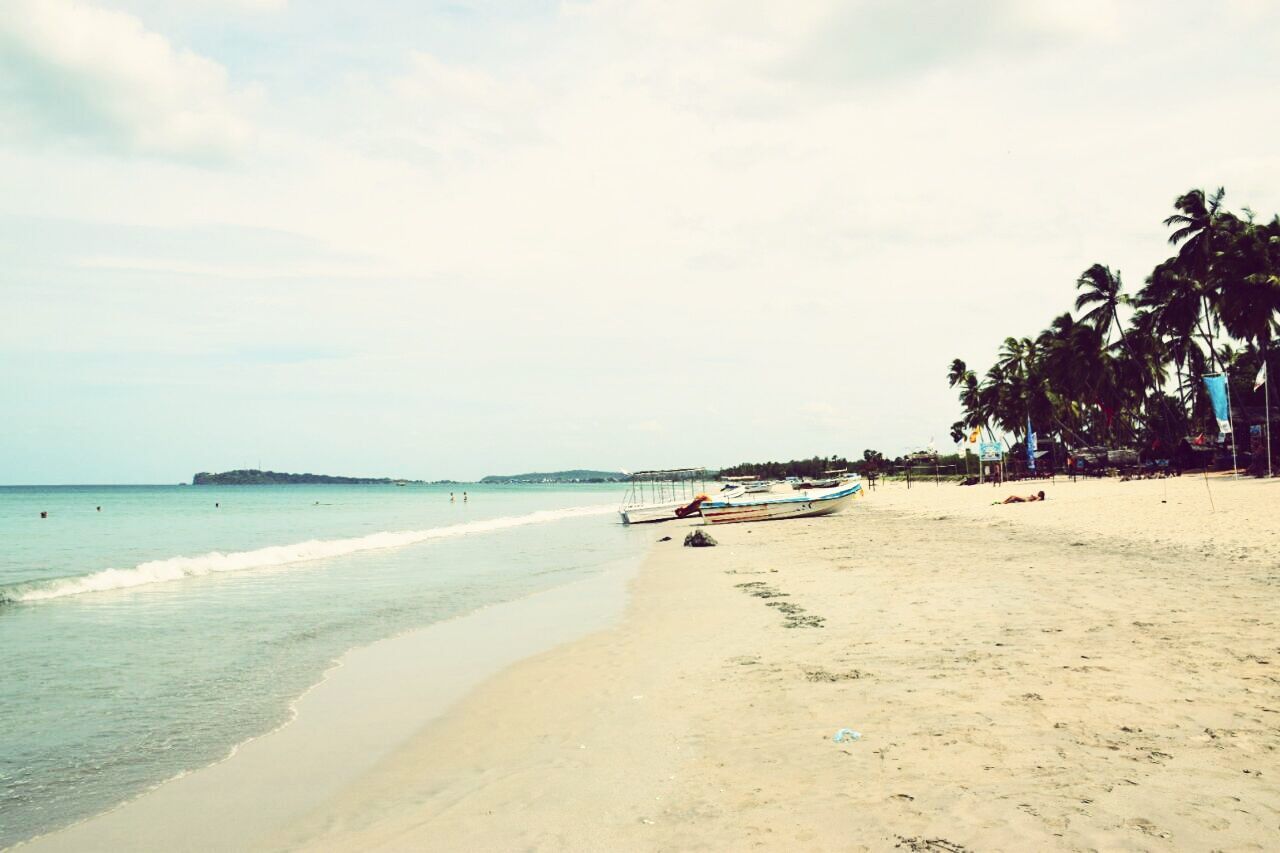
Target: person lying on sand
{"x":1018,"y":499}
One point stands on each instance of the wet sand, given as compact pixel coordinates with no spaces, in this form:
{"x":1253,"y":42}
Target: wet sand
{"x":375,"y":698}
{"x":1101,"y":671}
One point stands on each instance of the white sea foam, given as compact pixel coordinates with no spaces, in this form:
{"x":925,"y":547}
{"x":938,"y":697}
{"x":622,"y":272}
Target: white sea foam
{"x":177,"y":568}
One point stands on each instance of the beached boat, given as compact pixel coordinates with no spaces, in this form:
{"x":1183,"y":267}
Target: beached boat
{"x":654,"y":496}
{"x":751,"y":484}
{"x":805,"y":485}
{"x":830,"y":480}
{"x":768,"y":509}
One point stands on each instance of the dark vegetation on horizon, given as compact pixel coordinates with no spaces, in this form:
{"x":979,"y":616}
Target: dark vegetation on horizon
{"x":580,"y":475}
{"x":254,"y":477}
{"x":812,"y":468}
{"x":1133,"y":377}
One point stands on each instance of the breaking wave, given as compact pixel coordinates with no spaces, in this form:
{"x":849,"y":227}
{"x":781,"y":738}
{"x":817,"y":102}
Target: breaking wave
{"x":178,"y":568}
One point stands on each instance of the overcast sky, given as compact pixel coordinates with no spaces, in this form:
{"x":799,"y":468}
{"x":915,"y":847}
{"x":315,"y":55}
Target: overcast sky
{"x":459,"y":238}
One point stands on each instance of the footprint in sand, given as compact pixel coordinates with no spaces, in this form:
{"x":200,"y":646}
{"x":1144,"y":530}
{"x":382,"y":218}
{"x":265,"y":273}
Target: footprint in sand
{"x":1146,"y":827}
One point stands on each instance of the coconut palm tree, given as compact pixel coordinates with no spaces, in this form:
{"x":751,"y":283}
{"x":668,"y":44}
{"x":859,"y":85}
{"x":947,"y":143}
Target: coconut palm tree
{"x":1099,"y":376}
{"x":1102,"y":290}
{"x":1075,"y":371}
{"x":1250,"y":298}
{"x":1200,"y":229}
{"x":960,"y":374}
{"x":1171,"y":301}
{"x":1196,"y":227}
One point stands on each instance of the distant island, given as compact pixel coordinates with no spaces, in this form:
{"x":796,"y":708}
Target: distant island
{"x":254,"y":477}
{"x":576,"y":476}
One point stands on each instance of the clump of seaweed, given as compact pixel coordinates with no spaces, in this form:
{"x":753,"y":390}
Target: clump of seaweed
{"x":795,"y":615}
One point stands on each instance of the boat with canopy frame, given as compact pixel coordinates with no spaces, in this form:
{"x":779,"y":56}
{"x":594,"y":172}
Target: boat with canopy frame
{"x":664,"y":495}
{"x":805,"y":505}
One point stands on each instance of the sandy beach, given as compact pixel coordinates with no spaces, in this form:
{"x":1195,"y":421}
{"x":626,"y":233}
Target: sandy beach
{"x":1097,"y":672}
{"x":366,"y":362}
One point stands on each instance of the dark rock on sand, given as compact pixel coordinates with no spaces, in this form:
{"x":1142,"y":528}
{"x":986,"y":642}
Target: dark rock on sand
{"x":698,"y":539}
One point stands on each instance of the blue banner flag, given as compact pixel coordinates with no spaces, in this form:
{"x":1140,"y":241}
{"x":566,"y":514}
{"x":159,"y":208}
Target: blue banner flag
{"x":1031,"y":447}
{"x":1216,"y":385}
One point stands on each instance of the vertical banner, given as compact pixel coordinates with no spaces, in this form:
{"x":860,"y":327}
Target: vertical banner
{"x":1216,"y":385}
{"x":1031,"y":447}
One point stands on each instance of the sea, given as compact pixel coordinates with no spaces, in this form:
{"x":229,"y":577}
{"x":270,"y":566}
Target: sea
{"x":145,"y":631}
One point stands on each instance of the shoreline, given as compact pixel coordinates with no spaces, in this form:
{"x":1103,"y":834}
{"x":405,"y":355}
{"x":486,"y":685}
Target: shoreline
{"x":1056,"y":675}
{"x":1096,"y":671}
{"x":175,"y":814}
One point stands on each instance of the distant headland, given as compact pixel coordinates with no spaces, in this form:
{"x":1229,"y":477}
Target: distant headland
{"x":254,"y":477}
{"x":576,"y":476}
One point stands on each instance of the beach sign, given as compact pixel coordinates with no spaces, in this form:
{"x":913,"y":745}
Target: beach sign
{"x":990,"y":451}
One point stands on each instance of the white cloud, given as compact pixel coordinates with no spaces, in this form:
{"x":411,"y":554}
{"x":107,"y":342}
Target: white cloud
{"x":74,"y":70}
{"x":644,"y":207}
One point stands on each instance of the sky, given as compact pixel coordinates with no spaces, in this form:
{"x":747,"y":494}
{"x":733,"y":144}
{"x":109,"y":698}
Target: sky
{"x":450,"y":239}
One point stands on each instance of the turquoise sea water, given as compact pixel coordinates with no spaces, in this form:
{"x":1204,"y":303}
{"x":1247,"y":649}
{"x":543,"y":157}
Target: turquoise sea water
{"x":152,"y":636}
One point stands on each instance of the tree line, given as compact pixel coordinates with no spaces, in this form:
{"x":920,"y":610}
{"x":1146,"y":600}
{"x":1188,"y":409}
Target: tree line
{"x":812,"y":468}
{"x":1126,"y":368}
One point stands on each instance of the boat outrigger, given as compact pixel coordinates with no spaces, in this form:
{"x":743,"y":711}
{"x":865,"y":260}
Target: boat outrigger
{"x":811,"y":503}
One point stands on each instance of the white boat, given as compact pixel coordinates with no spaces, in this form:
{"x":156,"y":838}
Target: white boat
{"x":830,"y":480}
{"x":805,"y":485}
{"x":768,"y":509}
{"x":655,"y":496}
{"x":758,"y":486}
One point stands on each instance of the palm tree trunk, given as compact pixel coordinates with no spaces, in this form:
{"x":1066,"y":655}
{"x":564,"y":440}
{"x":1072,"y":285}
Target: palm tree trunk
{"x":1203,"y":322}
{"x":1182,"y":392}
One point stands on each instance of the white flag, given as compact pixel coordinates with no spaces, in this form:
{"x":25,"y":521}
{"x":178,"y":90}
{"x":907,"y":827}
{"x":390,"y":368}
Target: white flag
{"x":1261,"y":377}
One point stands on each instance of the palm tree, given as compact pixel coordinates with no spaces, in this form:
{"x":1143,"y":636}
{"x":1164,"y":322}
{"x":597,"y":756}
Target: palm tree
{"x":1200,"y":229}
{"x":1102,"y":290}
{"x":1219,"y":291}
{"x":1075,"y":371}
{"x":1250,"y":299}
{"x":1197,"y":226}
{"x":960,"y":374}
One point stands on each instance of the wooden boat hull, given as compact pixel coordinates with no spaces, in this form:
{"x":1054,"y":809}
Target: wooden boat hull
{"x":651,"y":514}
{"x":803,"y":506}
